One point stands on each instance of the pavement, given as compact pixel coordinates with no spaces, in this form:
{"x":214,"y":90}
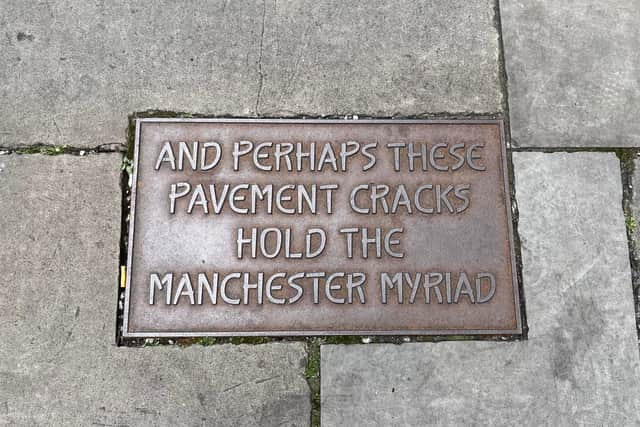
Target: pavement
{"x":563,"y":76}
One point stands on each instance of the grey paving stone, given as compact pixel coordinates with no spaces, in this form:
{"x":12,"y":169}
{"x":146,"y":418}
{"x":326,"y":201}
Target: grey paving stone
{"x":581,"y":364}
{"x":59,"y":228}
{"x":59,"y":243}
{"x":71,"y":71}
{"x":574,"y":243}
{"x":572,"y":72}
{"x":380,"y":58}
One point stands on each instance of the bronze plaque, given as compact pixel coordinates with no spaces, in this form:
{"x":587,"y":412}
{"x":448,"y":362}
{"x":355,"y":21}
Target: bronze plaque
{"x":320,"y":227}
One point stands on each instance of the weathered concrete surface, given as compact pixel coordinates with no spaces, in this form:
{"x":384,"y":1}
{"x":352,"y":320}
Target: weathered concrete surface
{"x":574,"y":243}
{"x":581,"y":362}
{"x":71,"y":71}
{"x":572,"y":72}
{"x":59,"y":234}
{"x":380,"y":58}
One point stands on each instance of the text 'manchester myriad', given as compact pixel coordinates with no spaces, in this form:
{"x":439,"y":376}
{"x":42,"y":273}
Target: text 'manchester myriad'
{"x":320,"y":227}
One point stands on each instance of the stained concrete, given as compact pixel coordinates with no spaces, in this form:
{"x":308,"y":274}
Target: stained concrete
{"x":580,"y":364}
{"x":59,"y":245}
{"x":72,"y":71}
{"x":572,"y":72}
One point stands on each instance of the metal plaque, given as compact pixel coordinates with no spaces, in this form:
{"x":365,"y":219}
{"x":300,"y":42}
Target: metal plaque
{"x":245,"y":227}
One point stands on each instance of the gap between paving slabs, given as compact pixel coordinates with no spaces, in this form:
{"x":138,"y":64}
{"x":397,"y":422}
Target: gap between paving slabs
{"x":55,"y":150}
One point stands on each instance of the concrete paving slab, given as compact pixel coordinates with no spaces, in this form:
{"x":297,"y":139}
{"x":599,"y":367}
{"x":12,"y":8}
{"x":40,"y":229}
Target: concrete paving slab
{"x":59,"y":234}
{"x":574,"y":243}
{"x":72,"y":71}
{"x":581,"y":364}
{"x":572,"y":72}
{"x":380,"y":58}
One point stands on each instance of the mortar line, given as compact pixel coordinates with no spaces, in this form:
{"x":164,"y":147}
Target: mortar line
{"x":56,"y":150}
{"x":260,"y":73}
{"x":515,"y":214}
{"x":452,"y":115}
{"x":502,"y":70}
{"x":567,"y":149}
{"x":313,"y":377}
{"x":627,"y":168}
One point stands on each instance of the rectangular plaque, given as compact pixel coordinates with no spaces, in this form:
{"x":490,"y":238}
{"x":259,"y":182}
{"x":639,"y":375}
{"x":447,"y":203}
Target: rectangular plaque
{"x":245,"y":227}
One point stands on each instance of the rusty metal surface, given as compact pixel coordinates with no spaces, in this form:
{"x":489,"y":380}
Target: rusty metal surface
{"x":476,"y":240}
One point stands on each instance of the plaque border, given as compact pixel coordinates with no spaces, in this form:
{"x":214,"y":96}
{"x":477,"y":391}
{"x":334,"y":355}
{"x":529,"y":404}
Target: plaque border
{"x":401,"y":332}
